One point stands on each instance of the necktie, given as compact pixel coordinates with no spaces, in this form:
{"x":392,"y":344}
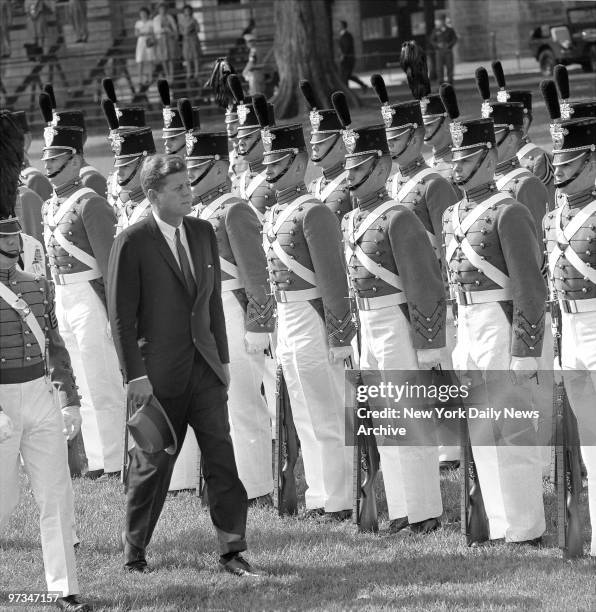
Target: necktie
{"x":185,"y":266}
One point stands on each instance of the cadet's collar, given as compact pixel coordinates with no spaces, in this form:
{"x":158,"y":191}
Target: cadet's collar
{"x":581,"y":198}
{"x":8,"y":274}
{"x":290,"y":193}
{"x":443,"y":154}
{"x":372,"y":199}
{"x":481,"y":192}
{"x":506,"y":166}
{"x":208,"y":196}
{"x":137,"y":195}
{"x":331,"y":173}
{"x":412,"y":167}
{"x":65,"y":190}
{"x":256,"y":167}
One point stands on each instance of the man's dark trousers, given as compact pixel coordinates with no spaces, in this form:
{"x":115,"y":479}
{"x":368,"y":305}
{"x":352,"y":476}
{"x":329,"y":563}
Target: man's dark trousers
{"x":203,"y":406}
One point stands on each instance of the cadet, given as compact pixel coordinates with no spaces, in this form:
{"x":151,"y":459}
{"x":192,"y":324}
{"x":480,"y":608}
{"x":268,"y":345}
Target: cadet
{"x":248,"y":307}
{"x":32,"y":354}
{"x":79,"y":232}
{"x":327,"y":154}
{"x":237,"y":164}
{"x":31,"y":177}
{"x":494,"y":271}
{"x":396,"y":280}
{"x":302,"y":243}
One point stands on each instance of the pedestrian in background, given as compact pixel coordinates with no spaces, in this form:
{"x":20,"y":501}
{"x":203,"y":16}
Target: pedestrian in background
{"x":166,"y":36}
{"x":191,"y":46}
{"x":347,"y":57}
{"x":145,"y":52}
{"x":78,"y":18}
{"x":37,"y":12}
{"x":442,"y":41}
{"x":253,"y":72}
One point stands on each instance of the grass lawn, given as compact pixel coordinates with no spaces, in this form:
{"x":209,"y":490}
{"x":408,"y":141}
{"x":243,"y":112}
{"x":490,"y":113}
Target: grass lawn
{"x":309,"y":566}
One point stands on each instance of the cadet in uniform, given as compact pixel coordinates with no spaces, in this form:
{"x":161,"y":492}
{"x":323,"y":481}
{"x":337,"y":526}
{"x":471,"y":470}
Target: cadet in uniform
{"x":248,"y":306}
{"x":327,"y":154}
{"x":510,"y":176}
{"x":32,"y":353}
{"x":31,"y":177}
{"x":79,"y":231}
{"x":571,"y":110}
{"x":396,"y":281}
{"x":570,"y":235}
{"x":302,"y":243}
{"x":530,"y":156}
{"x":494,"y":271}
{"x":237,"y":164}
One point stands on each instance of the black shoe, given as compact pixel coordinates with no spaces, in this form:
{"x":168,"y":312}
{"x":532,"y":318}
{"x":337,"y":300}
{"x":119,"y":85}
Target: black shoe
{"x":313,"y":513}
{"x":238,"y":566}
{"x":140,"y":567}
{"x":431,"y":524}
{"x":72,"y":603}
{"x":93,"y":474}
{"x":106,"y":476}
{"x":263,"y":501}
{"x":487,"y":542}
{"x":398,"y":524}
{"x":339,"y":515}
{"x":449,"y":465}
{"x":535,"y":542}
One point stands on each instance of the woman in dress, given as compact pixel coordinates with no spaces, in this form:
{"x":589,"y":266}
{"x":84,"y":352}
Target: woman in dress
{"x":145,"y":53}
{"x":191,"y":47}
{"x":166,"y":36}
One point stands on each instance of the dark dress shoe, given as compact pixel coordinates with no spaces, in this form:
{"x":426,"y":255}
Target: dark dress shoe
{"x":93,"y":474}
{"x":313,"y":513}
{"x":449,"y":465}
{"x":106,"y":476}
{"x":263,"y":501}
{"x":398,"y":524}
{"x":139,"y":566}
{"x":431,"y":524}
{"x":535,"y":542}
{"x":72,"y":603}
{"x":340,"y":515}
{"x":238,"y":566}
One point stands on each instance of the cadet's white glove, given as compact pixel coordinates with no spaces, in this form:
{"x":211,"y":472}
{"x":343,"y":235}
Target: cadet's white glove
{"x":430,"y":358}
{"x":255,"y":342}
{"x":528,"y":366}
{"x":72,"y":421}
{"x":6,"y":427}
{"x":337,"y":354}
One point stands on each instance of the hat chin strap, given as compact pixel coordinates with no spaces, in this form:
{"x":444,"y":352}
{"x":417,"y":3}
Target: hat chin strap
{"x":252,"y":146}
{"x":125,"y":182}
{"x":394,"y":157}
{"x":475,"y":169}
{"x":210,"y":165}
{"x":320,"y":159}
{"x":14,"y":254}
{"x":439,"y":125}
{"x":183,"y":146}
{"x":57,"y":172}
{"x":273,"y":180}
{"x":366,"y":176}
{"x":576,"y":173}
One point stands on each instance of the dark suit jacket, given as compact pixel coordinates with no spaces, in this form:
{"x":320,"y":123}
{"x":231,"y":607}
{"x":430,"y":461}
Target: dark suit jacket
{"x":155,"y":324}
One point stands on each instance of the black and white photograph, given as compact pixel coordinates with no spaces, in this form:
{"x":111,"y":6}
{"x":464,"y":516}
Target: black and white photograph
{"x":297,"y":305}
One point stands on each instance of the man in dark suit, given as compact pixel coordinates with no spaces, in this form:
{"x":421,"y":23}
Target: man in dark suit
{"x":347,"y":57}
{"x":169,"y":331}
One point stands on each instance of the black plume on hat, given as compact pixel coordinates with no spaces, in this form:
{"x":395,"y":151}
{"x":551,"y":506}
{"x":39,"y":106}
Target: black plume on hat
{"x":309,"y":94}
{"x":499,"y":74}
{"x":259,"y":103}
{"x":236,"y":88}
{"x":110,"y":112}
{"x":449,"y":100}
{"x":562,"y":81}
{"x":45,"y":105}
{"x":185,"y":110}
{"x":49,"y":89}
{"x":378,"y":84}
{"x":413,"y":62}
{"x":482,"y":82}
{"x":11,"y":160}
{"x":108,"y":87}
{"x":222,"y":69}
{"x":340,"y":104}
{"x":549,"y":93}
{"x":164,"y":91}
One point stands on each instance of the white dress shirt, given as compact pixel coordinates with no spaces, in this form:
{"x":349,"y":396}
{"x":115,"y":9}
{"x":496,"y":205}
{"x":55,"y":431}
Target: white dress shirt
{"x":169,"y":233}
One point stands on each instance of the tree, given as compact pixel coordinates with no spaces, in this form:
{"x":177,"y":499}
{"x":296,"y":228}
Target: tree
{"x":303,"y":49}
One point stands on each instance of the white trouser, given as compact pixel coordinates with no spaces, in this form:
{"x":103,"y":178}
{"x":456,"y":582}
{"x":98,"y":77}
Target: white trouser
{"x":83,"y":324}
{"x":510,"y":476}
{"x":185,"y":474}
{"x":250,"y":425}
{"x":38,"y":437}
{"x":316,"y":391}
{"x":579,"y":354}
{"x":410,"y":473}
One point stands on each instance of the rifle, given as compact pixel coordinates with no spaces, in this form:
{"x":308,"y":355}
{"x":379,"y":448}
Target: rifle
{"x":125,"y":454}
{"x":474,"y":522}
{"x":568,"y":479}
{"x":286,"y":450}
{"x":202,"y":488}
{"x":77,"y":459}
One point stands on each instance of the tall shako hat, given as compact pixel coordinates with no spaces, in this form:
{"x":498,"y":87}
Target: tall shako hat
{"x":247,"y":120}
{"x":514,"y":95}
{"x":172,"y":123}
{"x":201,"y":147}
{"x":571,"y":110}
{"x":11,"y":160}
{"x":362,"y":144}
{"x":71,"y":118}
{"x":20,"y":118}
{"x":128,"y":116}
{"x":59,"y":139}
{"x":571,"y":138}
{"x":324,"y":122}
{"x":469,"y":136}
{"x":132,"y":144}
{"x":506,"y":115}
{"x":278,"y":142}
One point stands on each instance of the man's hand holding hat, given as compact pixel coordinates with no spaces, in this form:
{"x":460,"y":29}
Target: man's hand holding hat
{"x":139,"y":392}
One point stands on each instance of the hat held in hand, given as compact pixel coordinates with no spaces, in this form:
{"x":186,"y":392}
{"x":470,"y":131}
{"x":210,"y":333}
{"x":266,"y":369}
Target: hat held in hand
{"x":152,"y":430}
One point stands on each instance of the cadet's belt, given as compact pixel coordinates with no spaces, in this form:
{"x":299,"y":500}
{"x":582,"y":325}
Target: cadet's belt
{"x":383,"y":301}
{"x":468,"y":298}
{"x":302,"y":295}
{"x":75,"y":277}
{"x":15,"y":376}
{"x":575,"y":306}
